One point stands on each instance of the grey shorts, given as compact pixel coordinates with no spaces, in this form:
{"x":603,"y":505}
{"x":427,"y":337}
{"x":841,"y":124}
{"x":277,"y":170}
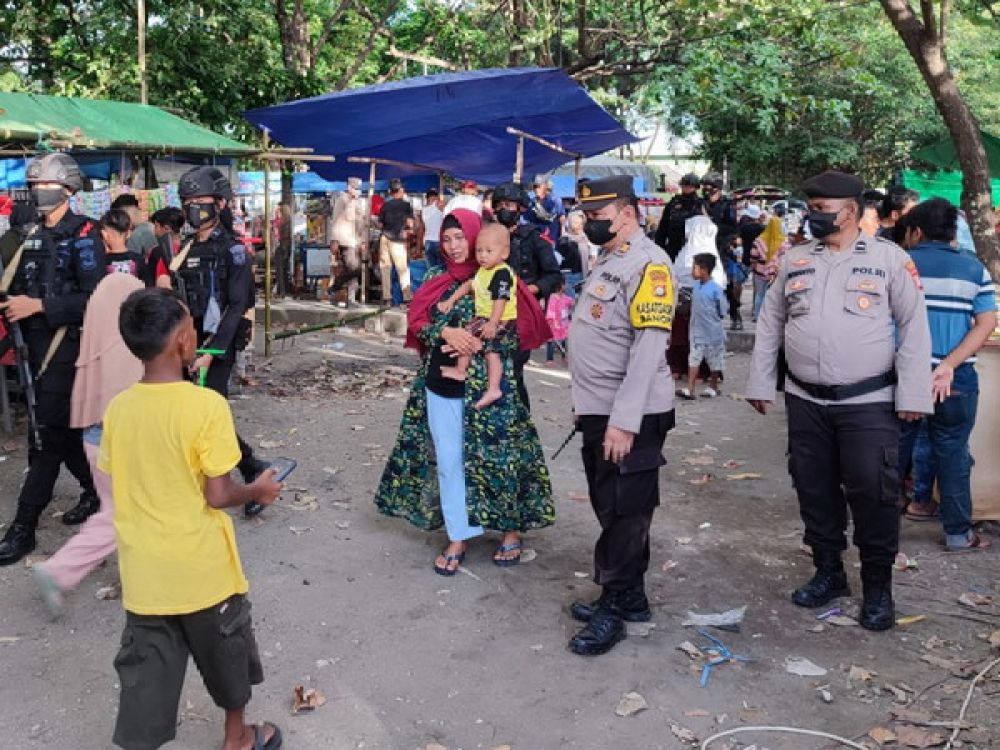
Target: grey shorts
{"x":153,"y":659}
{"x":712,"y":354}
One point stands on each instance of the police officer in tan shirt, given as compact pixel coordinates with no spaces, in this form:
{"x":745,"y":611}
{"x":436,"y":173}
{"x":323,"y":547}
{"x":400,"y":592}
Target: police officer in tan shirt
{"x":848,"y":308}
{"x":623,"y":399}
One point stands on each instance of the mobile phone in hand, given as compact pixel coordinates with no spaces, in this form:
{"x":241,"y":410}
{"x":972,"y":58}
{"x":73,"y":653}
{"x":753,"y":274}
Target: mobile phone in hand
{"x":283,"y":467}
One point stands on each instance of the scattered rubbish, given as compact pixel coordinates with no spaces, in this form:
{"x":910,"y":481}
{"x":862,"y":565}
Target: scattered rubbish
{"x":691,"y":650}
{"x":973,"y":600}
{"x":910,"y":619}
{"x":825,"y":695}
{"x":994,"y":639}
{"x":684,"y":540}
{"x":536,"y":647}
{"x":434,"y":746}
{"x":857,"y":674}
{"x":8,"y":639}
{"x":906,"y":563}
{"x":697,"y":712}
{"x":917,"y":737}
{"x":580,"y":497}
{"x":698,"y":460}
{"x":911,"y":716}
{"x":304,"y":502}
{"x":331,"y":470}
{"x":306,"y":699}
{"x":705,"y":525}
{"x":882,"y":735}
{"x":297,"y":530}
{"x":528,"y":554}
{"x":745,"y":475}
{"x":830,"y":613}
{"x":357,"y":427}
{"x":721,"y":653}
{"x":728,"y":620}
{"x":671,"y":564}
{"x":321,"y":663}
{"x":683,"y":733}
{"x":270,"y":445}
{"x":819,"y":628}
{"x":799,"y":665}
{"x":108,"y":593}
{"x":730,"y":464}
{"x":703,"y":479}
{"x":581,"y":574}
{"x":898,"y":694}
{"x":342,"y":524}
{"x":631,"y":704}
{"x":639,"y":629}
{"x":842,"y":621}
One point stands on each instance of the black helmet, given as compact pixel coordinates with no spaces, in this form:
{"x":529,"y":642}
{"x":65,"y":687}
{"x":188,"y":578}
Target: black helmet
{"x":511,"y":191}
{"x":714,"y":179}
{"x":59,"y":168}
{"x":690,"y":180}
{"x":202,"y":181}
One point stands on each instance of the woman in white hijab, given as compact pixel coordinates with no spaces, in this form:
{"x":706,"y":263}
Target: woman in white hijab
{"x":700,"y":234}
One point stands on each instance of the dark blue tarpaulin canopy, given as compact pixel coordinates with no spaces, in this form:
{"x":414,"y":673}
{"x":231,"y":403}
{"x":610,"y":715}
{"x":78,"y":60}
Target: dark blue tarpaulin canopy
{"x":453,"y":122}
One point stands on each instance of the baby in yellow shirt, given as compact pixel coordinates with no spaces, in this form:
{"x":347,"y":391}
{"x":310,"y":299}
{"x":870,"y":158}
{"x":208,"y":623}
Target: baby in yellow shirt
{"x":495,"y":289}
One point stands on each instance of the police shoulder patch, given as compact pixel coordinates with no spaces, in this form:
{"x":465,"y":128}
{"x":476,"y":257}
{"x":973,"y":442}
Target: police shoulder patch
{"x":652,"y":305}
{"x":239,"y":254}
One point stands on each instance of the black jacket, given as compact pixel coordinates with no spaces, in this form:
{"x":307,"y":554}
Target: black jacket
{"x":534,"y":259}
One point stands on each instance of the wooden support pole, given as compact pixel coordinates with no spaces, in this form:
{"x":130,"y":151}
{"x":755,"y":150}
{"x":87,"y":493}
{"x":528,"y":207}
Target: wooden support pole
{"x":267,"y":252}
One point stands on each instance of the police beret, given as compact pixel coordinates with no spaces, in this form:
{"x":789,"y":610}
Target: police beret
{"x":595,"y":194}
{"x":833,"y":184}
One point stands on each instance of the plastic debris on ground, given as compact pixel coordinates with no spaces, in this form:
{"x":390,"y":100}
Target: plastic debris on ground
{"x":719,"y":654}
{"x":799,"y":665}
{"x":729,"y":620}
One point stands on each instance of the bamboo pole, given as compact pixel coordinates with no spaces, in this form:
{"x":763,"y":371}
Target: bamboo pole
{"x":366,"y":250}
{"x":267,"y":251}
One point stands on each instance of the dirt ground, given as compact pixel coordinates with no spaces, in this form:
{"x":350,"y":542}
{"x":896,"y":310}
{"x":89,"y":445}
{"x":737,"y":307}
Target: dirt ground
{"x":345,"y":599}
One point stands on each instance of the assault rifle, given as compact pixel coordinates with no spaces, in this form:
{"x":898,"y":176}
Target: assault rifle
{"x":15,"y":340}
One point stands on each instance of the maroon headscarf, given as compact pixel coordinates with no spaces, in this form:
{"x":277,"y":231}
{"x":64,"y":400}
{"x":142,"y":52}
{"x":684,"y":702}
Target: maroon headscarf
{"x":431,"y":292}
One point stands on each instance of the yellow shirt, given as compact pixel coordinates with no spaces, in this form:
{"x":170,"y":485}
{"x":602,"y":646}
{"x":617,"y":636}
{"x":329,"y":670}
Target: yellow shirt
{"x":488,"y":288}
{"x":176,"y":553}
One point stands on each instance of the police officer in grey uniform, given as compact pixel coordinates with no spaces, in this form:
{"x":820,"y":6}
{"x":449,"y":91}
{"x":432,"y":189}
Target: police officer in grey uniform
{"x":849,"y":310}
{"x":623,"y":400}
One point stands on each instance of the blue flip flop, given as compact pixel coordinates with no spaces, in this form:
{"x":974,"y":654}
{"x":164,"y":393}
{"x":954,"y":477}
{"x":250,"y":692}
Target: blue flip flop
{"x":512,"y":547}
{"x":445,"y":571}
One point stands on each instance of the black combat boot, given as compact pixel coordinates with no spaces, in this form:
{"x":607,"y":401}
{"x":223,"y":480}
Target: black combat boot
{"x":250,"y":470}
{"x":829,"y":582}
{"x":16,"y":543}
{"x":89,"y":504}
{"x":602,"y":632}
{"x":877,"y":609}
{"x":632,"y":603}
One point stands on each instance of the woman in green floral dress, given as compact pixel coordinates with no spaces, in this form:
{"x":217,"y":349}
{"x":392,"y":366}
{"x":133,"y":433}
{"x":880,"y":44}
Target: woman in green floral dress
{"x":453,"y":465}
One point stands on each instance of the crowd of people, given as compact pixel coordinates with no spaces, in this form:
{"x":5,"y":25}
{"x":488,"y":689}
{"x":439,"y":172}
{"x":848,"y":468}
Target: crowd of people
{"x":871,"y":329}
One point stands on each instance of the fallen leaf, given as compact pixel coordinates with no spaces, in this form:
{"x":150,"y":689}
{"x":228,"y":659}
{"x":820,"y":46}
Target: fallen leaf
{"x":911,"y":715}
{"x":631,"y":704}
{"x":802,"y":667}
{"x":911,"y":619}
{"x":698,"y":460}
{"x":107,"y":593}
{"x":304,"y":502}
{"x":857,"y":674}
{"x":917,"y":737}
{"x":842,"y":621}
{"x":743,"y":476}
{"x":994,"y":639}
{"x":939,"y":661}
{"x":972,"y":599}
{"x":882,"y":735}
{"x":683,"y":733}
{"x":730,"y":464}
{"x":306,"y":699}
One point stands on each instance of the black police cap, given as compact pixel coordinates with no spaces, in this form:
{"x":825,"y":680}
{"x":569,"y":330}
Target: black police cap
{"x":595,"y":194}
{"x":833,"y":184}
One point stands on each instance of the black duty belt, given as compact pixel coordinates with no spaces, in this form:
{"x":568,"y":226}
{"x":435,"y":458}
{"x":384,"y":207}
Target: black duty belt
{"x":848,"y":390}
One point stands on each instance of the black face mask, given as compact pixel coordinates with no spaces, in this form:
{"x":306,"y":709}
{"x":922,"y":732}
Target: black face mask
{"x":199,"y":214}
{"x":48,"y":200}
{"x":599,"y":231}
{"x":823,"y":224}
{"x":507,"y":216}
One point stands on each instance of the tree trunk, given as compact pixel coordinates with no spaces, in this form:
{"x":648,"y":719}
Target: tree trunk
{"x":927,"y":50}
{"x":287,"y":208}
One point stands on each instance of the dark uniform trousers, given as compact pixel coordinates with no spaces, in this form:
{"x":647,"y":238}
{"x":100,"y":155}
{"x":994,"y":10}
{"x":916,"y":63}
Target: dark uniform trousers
{"x":60,"y":445}
{"x":624,"y":497}
{"x":843,"y":456}
{"x":219,"y":374}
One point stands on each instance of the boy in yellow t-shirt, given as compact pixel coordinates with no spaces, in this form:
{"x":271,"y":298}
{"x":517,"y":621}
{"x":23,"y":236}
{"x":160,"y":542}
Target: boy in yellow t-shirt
{"x":169,"y":447}
{"x":495,"y":290}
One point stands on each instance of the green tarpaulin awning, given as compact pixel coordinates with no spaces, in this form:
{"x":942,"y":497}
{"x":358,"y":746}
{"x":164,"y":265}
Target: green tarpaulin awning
{"x":947,"y":185}
{"x":87,"y":123}
{"x":943,"y":156}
